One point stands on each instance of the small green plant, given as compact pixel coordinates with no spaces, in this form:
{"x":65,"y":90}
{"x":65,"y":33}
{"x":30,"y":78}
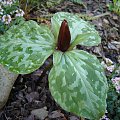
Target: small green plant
{"x":113,"y":100}
{"x":29,"y":5}
{"x":115,"y":6}
{"x":10,"y":13}
{"x":76,"y":80}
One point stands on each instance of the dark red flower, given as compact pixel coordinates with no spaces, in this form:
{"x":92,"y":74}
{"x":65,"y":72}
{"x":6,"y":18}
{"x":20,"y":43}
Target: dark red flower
{"x":64,"y":37}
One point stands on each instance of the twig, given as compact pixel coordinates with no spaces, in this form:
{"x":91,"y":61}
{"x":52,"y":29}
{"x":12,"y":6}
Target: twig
{"x":84,"y":16}
{"x":87,"y":17}
{"x":101,"y":15}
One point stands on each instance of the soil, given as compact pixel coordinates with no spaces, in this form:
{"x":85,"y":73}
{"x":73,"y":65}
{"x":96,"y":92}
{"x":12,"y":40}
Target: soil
{"x":31,"y":91}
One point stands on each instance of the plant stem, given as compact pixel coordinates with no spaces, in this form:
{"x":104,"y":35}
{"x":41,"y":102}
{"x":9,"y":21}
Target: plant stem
{"x":48,"y":67}
{"x":26,"y":5}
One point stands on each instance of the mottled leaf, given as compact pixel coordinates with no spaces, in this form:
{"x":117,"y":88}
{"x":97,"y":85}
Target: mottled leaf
{"x":25,"y":47}
{"x":78,"y":84}
{"x":81,"y":31}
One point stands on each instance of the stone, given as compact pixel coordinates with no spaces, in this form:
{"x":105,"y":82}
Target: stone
{"x":7,"y":80}
{"x":41,"y":113}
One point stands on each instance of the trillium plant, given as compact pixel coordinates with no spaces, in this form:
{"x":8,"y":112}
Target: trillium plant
{"x":76,"y":80}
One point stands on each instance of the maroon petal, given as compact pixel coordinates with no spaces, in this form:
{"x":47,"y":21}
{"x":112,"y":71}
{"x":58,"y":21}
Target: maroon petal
{"x":64,"y":37}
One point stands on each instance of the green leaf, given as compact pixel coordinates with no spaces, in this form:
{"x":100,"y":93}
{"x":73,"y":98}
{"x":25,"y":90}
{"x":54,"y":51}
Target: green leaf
{"x":55,"y":28}
{"x":78,"y":27}
{"x":78,"y":84}
{"x":25,"y":47}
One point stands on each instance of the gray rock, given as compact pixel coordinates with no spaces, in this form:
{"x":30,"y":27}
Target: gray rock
{"x":40,"y":113}
{"x":7,"y":80}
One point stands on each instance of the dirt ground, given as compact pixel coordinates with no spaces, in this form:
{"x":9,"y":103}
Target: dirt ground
{"x":31,"y":92}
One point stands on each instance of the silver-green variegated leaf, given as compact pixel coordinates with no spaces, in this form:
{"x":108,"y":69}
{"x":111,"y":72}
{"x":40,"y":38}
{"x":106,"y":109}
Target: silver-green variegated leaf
{"x":25,"y":47}
{"x":78,"y":84}
{"x":81,"y":31}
